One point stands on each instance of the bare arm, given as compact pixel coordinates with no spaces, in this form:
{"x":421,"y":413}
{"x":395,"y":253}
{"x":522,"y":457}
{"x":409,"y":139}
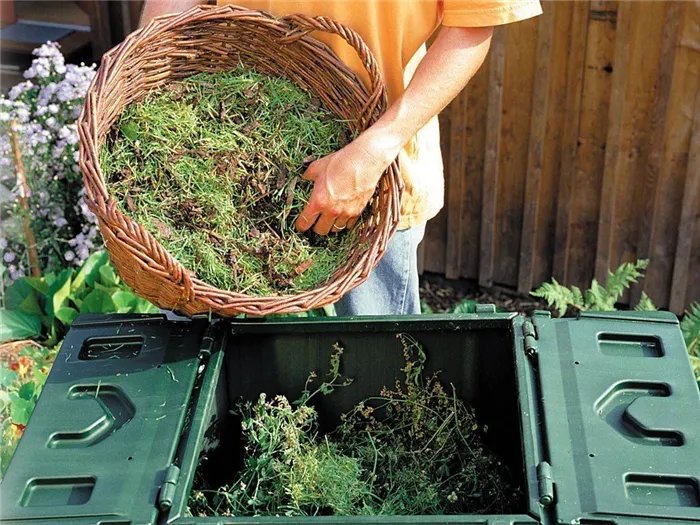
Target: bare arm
{"x":345,"y":180}
{"x":154,"y":8}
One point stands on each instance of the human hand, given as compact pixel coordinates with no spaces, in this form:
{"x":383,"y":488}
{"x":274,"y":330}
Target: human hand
{"x":344,"y":182}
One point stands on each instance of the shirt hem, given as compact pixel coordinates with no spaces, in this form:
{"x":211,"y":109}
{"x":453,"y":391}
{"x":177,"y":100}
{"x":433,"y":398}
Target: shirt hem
{"x":507,"y":14}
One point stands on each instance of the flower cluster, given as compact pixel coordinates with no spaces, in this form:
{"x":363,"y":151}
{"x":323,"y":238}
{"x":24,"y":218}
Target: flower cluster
{"x":44,"y":109}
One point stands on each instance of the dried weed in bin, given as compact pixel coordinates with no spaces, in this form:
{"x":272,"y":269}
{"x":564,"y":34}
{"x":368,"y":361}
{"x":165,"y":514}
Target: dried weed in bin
{"x":414,"y":449}
{"x":212,"y":167}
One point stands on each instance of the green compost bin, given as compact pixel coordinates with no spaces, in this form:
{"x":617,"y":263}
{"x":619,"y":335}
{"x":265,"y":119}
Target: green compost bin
{"x":597,"y":418}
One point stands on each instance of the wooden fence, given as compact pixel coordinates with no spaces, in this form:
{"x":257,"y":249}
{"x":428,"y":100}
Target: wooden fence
{"x":575,"y":148}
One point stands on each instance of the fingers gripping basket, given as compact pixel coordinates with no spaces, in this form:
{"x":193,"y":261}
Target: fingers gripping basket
{"x":211,"y":39}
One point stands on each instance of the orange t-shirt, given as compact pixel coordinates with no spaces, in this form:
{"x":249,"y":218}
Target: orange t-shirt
{"x":396,"y":32}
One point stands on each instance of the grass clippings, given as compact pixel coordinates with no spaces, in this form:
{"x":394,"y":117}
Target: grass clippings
{"x":212,"y":165}
{"x":415,"y":449}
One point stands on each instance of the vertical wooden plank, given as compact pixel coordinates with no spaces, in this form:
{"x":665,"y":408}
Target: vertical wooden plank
{"x":455,"y":170}
{"x":518,"y":79}
{"x":575,"y":74}
{"x":671,"y":179}
{"x":656,"y":143}
{"x":590,"y":157}
{"x":689,"y":221}
{"x":475,"y":141}
{"x":435,"y":240}
{"x":493,"y":138}
{"x":552,"y":154}
{"x":628,"y":134}
{"x":616,"y":129}
{"x":536,"y":147}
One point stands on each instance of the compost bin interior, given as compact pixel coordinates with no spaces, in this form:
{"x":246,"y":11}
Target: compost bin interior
{"x":277,"y":359}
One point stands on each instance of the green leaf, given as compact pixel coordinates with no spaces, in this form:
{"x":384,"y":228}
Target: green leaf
{"x":108,"y":277}
{"x":7,"y":377}
{"x":97,"y":302}
{"x":645,"y":304}
{"x":465,"y":306}
{"x":59,"y":291}
{"x":40,"y":379}
{"x":31,"y":306}
{"x":17,"y":293}
{"x":125,"y":302}
{"x":39,"y":284}
{"x":4,"y":400}
{"x":20,"y":410}
{"x":26,"y":391}
{"x":18,"y":325}
{"x":131,"y":130}
{"x":90,"y":270}
{"x":690,"y":326}
{"x":66,"y":315}
{"x":425,"y":307}
{"x":144,"y":307}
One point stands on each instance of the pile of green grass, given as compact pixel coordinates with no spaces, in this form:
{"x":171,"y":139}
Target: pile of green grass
{"x":212,"y":166}
{"x":413,"y":449}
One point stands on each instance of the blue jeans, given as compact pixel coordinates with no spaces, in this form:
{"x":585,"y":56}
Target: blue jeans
{"x":392,"y":288}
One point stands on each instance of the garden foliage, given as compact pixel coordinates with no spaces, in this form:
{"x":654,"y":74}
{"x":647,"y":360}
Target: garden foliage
{"x":604,"y":298}
{"x":43,"y":308}
{"x":45,"y":108}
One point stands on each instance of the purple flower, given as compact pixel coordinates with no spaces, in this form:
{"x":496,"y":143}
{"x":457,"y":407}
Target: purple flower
{"x":8,"y":257}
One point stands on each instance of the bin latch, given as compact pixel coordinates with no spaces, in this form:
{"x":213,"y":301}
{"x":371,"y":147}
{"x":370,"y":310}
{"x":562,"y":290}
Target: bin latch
{"x":545,"y":483}
{"x":530,"y":338}
{"x":167,"y":490}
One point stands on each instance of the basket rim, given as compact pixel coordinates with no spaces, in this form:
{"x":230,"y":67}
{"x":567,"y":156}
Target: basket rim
{"x":117,"y":227}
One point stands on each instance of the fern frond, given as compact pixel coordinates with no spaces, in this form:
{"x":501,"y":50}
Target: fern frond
{"x":558,"y":296}
{"x":690,"y":326}
{"x":645,"y":304}
{"x":623,"y":277}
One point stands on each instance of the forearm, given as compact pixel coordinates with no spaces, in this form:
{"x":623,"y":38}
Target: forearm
{"x":449,"y":64}
{"x":154,"y":8}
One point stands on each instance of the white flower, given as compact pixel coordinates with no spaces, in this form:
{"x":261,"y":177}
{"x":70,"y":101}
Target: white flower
{"x":4,"y":117}
{"x":3,"y":243}
{"x":9,"y":257}
{"x":69,"y":256}
{"x":53,"y":108}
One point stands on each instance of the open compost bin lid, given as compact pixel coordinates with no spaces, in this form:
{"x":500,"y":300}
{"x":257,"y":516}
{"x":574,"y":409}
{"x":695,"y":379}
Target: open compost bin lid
{"x":622,"y":418}
{"x":81,"y":462}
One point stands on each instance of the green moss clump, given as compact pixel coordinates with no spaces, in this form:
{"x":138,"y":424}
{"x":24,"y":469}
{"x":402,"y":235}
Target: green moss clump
{"x":212,"y":166}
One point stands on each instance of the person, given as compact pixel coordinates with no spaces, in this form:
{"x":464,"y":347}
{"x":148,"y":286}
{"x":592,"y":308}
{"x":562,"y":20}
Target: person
{"x":420,"y":83}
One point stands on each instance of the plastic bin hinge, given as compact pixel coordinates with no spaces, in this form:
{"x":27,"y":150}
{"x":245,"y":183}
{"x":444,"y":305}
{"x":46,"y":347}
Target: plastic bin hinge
{"x":487,"y":308}
{"x":207,"y":342}
{"x":545,"y":483}
{"x":167,"y":490}
{"x":530,"y":338}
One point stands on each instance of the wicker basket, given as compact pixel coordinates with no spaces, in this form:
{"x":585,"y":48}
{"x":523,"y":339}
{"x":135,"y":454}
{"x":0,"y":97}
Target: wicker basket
{"x":208,"y":38}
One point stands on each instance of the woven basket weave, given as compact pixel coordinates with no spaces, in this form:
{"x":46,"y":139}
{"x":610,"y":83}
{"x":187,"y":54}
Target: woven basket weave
{"x":208,"y":38}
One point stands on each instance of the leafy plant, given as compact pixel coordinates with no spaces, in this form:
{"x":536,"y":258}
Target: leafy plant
{"x":24,"y":367}
{"x":690,"y":326}
{"x":414,"y":449}
{"x":597,"y":297}
{"x":45,"y":108}
{"x":43,"y":308}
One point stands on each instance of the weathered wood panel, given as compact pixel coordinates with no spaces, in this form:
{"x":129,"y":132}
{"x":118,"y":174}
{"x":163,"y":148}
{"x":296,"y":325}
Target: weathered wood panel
{"x":576,"y":149}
